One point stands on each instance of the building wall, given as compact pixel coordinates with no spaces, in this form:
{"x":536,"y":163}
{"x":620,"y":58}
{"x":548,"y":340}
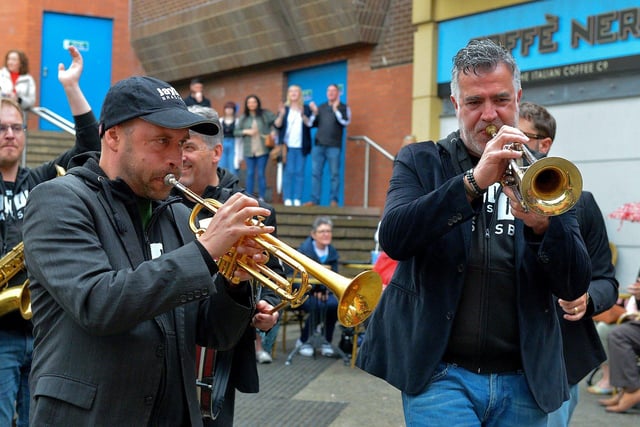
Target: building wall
{"x":379,"y":100}
{"x":21,"y":22}
{"x":379,"y":74}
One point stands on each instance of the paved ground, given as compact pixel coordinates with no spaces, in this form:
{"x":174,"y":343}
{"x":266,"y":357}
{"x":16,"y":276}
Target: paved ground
{"x":324,"y":392}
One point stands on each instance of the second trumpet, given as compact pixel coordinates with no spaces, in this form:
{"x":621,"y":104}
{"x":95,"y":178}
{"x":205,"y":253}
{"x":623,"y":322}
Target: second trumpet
{"x":357,"y":297}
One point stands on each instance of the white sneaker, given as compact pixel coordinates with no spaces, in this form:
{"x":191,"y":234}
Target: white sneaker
{"x":287,"y":202}
{"x":305,"y":350}
{"x":263,"y":357}
{"x":327,"y":350}
{"x":297,"y":202}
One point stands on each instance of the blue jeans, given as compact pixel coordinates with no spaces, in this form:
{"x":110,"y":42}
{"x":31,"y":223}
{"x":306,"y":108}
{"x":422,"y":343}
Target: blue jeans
{"x":228,"y":153}
{"x":459,"y":397}
{"x":320,"y":311}
{"x":293,"y":180}
{"x":319,"y":156}
{"x":561,"y":417}
{"x":16,"y":349}
{"x":256,"y":166}
{"x":269,"y":338}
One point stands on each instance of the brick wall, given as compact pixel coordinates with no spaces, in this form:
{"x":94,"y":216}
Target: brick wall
{"x":379,"y":90}
{"x":396,"y":42}
{"x":21,"y":22}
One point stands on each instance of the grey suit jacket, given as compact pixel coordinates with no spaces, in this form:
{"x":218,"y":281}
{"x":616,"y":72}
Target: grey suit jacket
{"x":98,"y":302}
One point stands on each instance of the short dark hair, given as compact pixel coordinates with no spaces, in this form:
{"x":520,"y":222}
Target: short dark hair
{"x":230,"y":104}
{"x":540,"y":117}
{"x":196,"y":81}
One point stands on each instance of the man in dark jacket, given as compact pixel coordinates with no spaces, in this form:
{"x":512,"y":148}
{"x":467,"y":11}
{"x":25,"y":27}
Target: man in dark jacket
{"x":16,"y":331}
{"x":201,"y":174}
{"x":470,"y":305}
{"x":581,"y":345}
{"x":196,"y":94}
{"x":331,"y":118}
{"x":122,"y":291}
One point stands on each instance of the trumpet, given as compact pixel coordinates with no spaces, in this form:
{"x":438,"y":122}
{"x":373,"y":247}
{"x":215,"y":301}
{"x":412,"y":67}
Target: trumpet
{"x":357,"y":297}
{"x":548,"y":186}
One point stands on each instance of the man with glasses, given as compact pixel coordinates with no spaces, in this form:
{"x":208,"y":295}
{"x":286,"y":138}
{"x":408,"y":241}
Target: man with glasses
{"x":16,"y":183}
{"x":322,"y":304}
{"x":235,"y":368}
{"x":582,"y":348}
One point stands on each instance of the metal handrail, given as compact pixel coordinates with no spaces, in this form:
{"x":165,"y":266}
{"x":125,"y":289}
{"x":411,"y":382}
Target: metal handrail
{"x":385,"y":153}
{"x":54,"y":118}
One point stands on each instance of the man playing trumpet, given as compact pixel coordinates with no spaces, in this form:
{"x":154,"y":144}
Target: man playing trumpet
{"x":121,"y":290}
{"x":466,"y":328}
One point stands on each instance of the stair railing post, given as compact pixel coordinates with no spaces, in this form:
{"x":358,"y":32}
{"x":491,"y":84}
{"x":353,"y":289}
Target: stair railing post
{"x":366,"y":176}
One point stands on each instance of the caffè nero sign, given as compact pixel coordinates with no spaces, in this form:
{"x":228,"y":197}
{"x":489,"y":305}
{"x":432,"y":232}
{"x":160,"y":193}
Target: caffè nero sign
{"x":553,"y":40}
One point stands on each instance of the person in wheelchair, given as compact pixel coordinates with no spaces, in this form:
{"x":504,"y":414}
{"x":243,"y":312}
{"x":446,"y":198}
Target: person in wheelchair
{"x":322,"y":304}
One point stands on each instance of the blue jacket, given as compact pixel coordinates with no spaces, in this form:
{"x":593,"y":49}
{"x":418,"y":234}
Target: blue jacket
{"x":426,"y":225}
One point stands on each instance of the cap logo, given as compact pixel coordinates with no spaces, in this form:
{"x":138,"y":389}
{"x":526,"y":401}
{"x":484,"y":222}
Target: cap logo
{"x":167,"y":93}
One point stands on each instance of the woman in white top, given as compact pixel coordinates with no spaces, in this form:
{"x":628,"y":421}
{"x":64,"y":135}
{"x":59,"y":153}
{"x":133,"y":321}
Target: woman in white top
{"x":294,"y":125}
{"x":15,"y":81}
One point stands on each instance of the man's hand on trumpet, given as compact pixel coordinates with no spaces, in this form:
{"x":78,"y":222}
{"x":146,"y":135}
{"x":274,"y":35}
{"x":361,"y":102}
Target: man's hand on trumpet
{"x":230,"y":227}
{"x":495,"y":158}
{"x":264,"y":319}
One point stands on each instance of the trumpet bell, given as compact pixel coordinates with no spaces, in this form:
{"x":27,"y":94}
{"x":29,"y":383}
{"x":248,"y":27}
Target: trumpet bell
{"x":551,"y":186}
{"x":360,"y":298}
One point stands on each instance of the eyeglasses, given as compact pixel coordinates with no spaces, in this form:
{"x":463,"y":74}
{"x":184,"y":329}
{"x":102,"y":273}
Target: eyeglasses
{"x":533,"y":135}
{"x":17,"y":129}
{"x":323,"y":231}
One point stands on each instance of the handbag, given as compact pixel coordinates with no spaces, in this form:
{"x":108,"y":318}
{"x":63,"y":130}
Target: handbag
{"x":610,"y":316}
{"x":279,"y":154}
{"x":269,"y":141}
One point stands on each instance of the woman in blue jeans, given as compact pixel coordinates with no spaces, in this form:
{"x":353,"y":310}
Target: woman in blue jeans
{"x":253,"y":127}
{"x":294,"y":127}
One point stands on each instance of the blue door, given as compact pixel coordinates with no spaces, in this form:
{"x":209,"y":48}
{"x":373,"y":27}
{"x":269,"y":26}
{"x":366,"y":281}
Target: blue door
{"x":314,"y":82}
{"x":93,"y":38}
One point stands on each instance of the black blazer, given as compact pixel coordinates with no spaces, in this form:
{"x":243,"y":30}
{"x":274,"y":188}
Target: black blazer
{"x":581,"y":345}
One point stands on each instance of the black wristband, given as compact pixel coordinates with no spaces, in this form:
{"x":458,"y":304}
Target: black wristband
{"x":476,"y":188}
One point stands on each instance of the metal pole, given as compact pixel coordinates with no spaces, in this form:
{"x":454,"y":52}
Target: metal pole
{"x":366,"y":176}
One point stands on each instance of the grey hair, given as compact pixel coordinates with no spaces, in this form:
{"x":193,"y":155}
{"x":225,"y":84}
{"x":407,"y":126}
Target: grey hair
{"x":481,"y":55}
{"x":208,"y":113}
{"x":321,"y":220}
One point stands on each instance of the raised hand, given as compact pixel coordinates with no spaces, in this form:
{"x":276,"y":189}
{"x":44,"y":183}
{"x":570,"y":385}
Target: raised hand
{"x":71,"y":76}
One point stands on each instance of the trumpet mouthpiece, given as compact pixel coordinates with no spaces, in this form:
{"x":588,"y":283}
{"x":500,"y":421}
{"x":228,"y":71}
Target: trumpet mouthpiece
{"x":491,"y":130}
{"x":170,"y":179}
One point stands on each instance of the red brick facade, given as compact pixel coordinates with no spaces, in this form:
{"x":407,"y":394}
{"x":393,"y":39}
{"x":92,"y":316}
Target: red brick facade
{"x":379,"y":76}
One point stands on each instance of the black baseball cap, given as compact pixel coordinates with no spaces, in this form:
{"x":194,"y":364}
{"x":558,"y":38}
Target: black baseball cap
{"x":154,"y":101}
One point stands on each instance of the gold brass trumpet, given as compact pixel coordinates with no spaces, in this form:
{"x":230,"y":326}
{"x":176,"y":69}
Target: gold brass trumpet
{"x":548,"y":186}
{"x":357,"y":297}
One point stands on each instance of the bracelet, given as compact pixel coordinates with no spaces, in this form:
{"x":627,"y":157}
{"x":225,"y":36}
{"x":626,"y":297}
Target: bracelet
{"x":474,"y":185}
